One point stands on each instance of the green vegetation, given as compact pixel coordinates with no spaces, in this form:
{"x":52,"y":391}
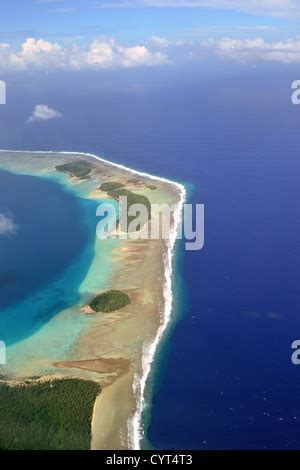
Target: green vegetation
{"x":151,"y":187}
{"x":80,"y":168}
{"x":53,"y":415}
{"x":132,"y":199}
{"x":109,"y":301}
{"x":133,"y":181}
{"x":111,"y":186}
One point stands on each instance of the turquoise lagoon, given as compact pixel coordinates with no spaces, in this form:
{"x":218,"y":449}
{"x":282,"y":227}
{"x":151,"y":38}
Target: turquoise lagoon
{"x":49,"y":266}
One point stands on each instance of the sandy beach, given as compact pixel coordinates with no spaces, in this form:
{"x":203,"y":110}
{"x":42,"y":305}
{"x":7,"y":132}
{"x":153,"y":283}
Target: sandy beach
{"x":115,"y":349}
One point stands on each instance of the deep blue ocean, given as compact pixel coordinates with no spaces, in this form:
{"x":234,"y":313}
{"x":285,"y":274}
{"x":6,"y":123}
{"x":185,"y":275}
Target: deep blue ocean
{"x":224,"y":377}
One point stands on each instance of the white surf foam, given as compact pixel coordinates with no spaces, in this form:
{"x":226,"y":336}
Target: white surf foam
{"x":136,"y":433}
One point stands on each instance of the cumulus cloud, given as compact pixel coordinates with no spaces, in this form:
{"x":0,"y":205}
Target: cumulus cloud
{"x":253,"y":50}
{"x":107,"y":54}
{"x":7,"y":225}
{"x":43,"y":113}
{"x":100,"y":53}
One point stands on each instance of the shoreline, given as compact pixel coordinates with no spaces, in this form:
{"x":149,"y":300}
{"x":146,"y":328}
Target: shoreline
{"x":134,"y":423}
{"x":149,"y":355}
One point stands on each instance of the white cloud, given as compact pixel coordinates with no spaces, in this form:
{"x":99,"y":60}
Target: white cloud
{"x":107,"y":54}
{"x":7,"y":225}
{"x":161,"y":42}
{"x":43,"y":113}
{"x":101,"y":53}
{"x":252,"y":50}
{"x":33,"y":53}
{"x":281,"y":8}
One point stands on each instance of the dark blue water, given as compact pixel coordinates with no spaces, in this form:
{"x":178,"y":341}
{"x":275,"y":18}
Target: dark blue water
{"x":52,"y":233}
{"x":227,"y":379}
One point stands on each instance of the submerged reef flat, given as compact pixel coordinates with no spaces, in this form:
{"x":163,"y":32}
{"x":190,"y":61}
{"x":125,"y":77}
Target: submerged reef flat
{"x":108,"y":349}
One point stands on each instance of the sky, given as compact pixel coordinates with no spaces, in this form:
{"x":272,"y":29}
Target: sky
{"x":135,"y":20}
{"x":91,"y":34}
{"x":156,"y":37}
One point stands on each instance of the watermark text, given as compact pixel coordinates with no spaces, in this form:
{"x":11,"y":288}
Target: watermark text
{"x":2,"y":92}
{"x":151,"y":222}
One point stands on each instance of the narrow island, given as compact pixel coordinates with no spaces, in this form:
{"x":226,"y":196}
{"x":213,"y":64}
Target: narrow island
{"x":109,"y":301}
{"x":88,"y":393}
{"x":47,"y":414}
{"x":111,"y":186}
{"x":78,"y":168}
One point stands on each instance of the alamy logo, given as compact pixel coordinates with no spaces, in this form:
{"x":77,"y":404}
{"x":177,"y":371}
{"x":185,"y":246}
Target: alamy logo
{"x":2,"y":92}
{"x":296,"y":94}
{"x":146,"y":221}
{"x":2,"y":353}
{"x":296,"y":354}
